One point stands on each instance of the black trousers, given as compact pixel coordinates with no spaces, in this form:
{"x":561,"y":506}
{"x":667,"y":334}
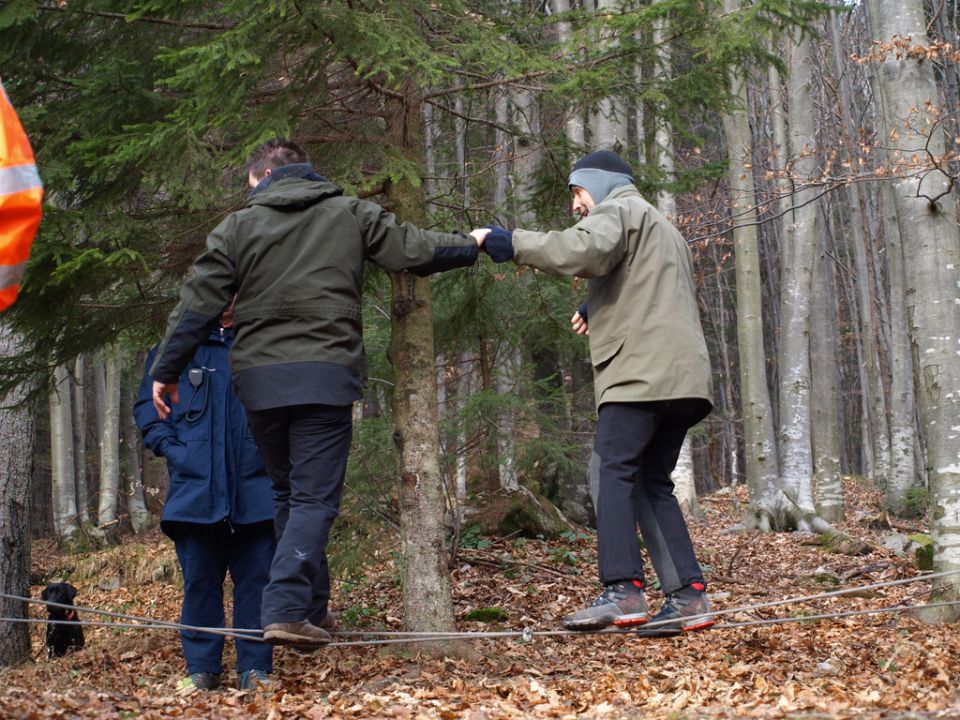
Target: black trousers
{"x":638,"y":445}
{"x":305,"y":450}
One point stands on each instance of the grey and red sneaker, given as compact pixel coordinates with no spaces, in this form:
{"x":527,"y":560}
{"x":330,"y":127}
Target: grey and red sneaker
{"x":621,"y":604}
{"x":688,"y":609}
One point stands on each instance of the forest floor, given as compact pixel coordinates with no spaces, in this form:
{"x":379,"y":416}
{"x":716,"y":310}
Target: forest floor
{"x":876,"y":666}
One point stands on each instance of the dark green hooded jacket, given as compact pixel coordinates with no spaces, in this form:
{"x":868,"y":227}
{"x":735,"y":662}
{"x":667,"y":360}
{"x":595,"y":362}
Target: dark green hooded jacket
{"x":295,"y":258}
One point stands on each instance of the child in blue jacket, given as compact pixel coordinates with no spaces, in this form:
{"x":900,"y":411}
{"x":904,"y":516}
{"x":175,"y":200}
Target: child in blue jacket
{"x":218,"y":511}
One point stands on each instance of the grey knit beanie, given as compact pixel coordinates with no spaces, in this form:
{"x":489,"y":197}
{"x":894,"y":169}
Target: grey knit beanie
{"x":599,"y":173}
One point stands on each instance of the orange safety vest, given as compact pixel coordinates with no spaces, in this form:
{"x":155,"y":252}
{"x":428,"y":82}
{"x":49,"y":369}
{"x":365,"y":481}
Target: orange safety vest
{"x":21,"y":194}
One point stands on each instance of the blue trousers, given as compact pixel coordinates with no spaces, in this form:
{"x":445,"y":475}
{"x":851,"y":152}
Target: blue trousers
{"x":638,"y":445}
{"x":305,"y":450}
{"x":206,"y":553}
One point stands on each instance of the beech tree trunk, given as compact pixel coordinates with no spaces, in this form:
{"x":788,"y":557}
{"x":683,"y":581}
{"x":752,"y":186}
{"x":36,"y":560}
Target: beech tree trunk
{"x":110,"y":443}
{"x":828,"y":490}
{"x":767,"y":502}
{"x":136,"y":502}
{"x":16,"y":469}
{"x":798,"y":248}
{"x":931,"y":248}
{"x":80,"y":440}
{"x":61,"y":455}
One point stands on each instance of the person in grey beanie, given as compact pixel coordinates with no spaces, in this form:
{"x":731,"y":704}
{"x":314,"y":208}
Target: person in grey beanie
{"x":652,"y":382}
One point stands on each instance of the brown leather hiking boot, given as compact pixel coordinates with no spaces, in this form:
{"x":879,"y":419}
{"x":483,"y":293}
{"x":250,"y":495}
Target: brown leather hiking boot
{"x":295,"y":633}
{"x":622,"y":604}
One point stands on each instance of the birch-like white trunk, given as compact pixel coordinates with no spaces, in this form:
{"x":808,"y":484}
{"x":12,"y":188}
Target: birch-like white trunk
{"x":110,"y":443}
{"x":798,"y":247}
{"x":501,"y":155}
{"x":903,"y":407}
{"x":609,"y":121}
{"x":759,"y":440}
{"x":136,"y":501}
{"x":508,"y":385}
{"x":828,"y":490}
{"x":16,"y":469}
{"x":931,"y":247}
{"x":80,"y":439}
{"x":61,"y":454}
{"x":575,"y":127}
{"x":463,"y":396}
{"x":684,"y":482}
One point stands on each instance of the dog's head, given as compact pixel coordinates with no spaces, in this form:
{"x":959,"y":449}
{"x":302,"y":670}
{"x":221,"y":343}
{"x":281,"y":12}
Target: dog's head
{"x":62,"y":593}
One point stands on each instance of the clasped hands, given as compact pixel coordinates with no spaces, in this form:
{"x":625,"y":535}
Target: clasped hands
{"x":495,"y":242}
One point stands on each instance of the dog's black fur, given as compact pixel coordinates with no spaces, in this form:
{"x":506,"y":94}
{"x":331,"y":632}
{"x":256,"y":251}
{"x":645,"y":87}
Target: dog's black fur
{"x":61,"y":638}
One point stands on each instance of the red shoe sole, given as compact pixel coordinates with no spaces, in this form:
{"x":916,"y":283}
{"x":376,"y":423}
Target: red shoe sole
{"x":701,"y":626}
{"x":633,"y":622}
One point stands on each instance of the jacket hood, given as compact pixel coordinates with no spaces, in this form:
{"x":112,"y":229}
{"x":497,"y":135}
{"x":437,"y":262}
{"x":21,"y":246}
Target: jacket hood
{"x":293,"y":186}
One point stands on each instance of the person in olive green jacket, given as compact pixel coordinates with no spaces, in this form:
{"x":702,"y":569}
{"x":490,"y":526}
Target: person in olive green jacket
{"x":294,"y":256}
{"x":652,"y":382}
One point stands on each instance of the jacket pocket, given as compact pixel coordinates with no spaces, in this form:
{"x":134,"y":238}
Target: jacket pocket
{"x":601,"y":353}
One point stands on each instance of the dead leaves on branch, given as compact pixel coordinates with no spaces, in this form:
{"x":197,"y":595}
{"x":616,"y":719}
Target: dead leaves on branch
{"x":871,"y":666}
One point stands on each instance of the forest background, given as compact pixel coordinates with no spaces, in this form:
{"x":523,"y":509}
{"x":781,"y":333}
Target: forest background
{"x":807,"y":151}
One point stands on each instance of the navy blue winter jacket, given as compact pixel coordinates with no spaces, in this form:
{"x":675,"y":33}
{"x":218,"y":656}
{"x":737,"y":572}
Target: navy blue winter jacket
{"x":215,"y":471}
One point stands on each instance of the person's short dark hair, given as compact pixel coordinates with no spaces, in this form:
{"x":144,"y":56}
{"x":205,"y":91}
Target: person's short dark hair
{"x":273,"y":154}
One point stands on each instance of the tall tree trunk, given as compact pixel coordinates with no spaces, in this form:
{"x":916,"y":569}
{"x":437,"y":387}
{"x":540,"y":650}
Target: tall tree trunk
{"x":931,"y":245}
{"x":760,"y":442}
{"x":80,"y":439}
{"x":823,"y":390}
{"x":110,"y":443}
{"x":798,"y":248}
{"x":16,"y":469}
{"x":875,"y":445}
{"x":609,"y":122}
{"x":427,"y":598}
{"x":685,"y":487}
{"x":684,"y":482}
{"x":61,"y":452}
{"x":903,"y":406}
{"x":136,"y":502}
{"x":576,"y":129}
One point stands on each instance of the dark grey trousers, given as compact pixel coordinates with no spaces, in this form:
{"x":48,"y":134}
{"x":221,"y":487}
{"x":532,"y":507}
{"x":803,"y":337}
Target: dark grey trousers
{"x":305,"y":450}
{"x":636,"y":449}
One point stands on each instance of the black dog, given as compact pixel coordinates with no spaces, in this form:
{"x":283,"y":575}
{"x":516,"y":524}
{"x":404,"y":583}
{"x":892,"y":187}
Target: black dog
{"x":61,"y":637}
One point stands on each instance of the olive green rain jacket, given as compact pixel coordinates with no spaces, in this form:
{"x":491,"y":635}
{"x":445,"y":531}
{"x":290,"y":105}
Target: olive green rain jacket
{"x":295,"y":257}
{"x":646,"y":343}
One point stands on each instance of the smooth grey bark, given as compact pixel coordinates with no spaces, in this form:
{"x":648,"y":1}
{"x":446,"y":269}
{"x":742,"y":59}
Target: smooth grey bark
{"x":684,"y":481}
{"x":61,"y":454}
{"x":903,"y":408}
{"x":575,"y":127}
{"x":875,"y":451}
{"x":110,"y":443}
{"x":798,"y":247}
{"x":609,"y":121}
{"x":828,"y":489}
{"x":501,"y":157}
{"x":136,"y":502}
{"x":931,"y":247}
{"x":759,"y":440}
{"x":16,"y":469}
{"x":80,"y":439}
